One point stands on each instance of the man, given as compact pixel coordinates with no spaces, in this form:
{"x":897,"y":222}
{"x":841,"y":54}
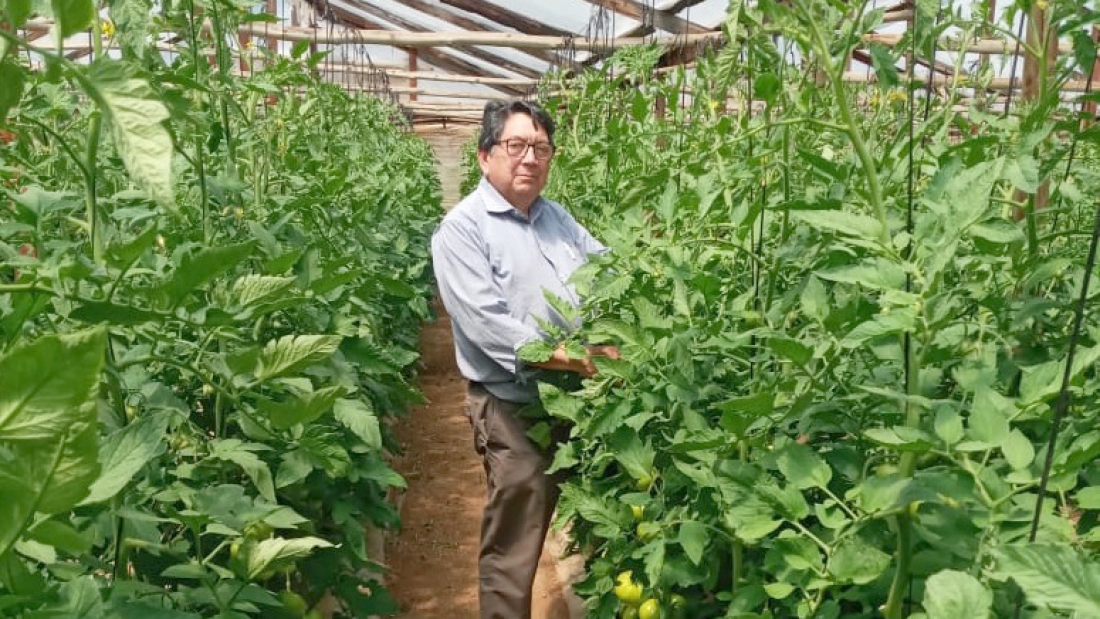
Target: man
{"x":494,"y":255}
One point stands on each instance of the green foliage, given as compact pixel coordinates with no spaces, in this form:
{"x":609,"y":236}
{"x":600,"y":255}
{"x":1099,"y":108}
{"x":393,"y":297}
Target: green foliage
{"x":210,"y":294}
{"x":840,"y":406}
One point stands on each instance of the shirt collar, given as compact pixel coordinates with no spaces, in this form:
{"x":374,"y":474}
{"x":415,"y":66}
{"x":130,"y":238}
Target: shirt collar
{"x":495,"y":203}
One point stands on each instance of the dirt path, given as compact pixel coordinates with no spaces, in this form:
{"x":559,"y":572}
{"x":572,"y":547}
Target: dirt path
{"x":433,"y":560}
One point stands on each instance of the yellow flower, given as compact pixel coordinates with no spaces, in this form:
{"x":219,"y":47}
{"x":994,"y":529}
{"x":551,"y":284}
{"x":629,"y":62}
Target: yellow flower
{"x":108,"y":28}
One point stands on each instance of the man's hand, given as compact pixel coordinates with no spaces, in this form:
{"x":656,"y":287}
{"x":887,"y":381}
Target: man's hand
{"x":584,"y":366}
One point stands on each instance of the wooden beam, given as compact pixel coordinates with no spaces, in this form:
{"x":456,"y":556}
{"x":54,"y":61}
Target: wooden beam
{"x":493,"y":59}
{"x":965,"y":81}
{"x":454,"y":107}
{"x":435,"y":57}
{"x":445,"y":39}
{"x":426,"y":92}
{"x":892,"y":17}
{"x":461,"y":21}
{"x":461,"y":79}
{"x":641,"y":30}
{"x":354,"y":36}
{"x":664,"y":20}
{"x":394,"y":92}
{"x":952,"y":44}
{"x":507,"y":18}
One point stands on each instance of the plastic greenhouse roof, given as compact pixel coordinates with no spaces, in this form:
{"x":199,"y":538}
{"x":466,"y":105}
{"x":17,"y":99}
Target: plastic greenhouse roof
{"x":577,"y":17}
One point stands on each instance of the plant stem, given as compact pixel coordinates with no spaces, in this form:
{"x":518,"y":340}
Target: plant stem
{"x":851,"y":128}
{"x":90,"y":207}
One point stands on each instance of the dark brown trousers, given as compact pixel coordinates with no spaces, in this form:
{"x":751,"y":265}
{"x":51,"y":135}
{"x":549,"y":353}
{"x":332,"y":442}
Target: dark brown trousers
{"x":520,"y":504}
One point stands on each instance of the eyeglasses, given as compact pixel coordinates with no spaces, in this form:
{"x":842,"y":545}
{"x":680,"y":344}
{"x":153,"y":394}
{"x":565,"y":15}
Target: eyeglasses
{"x":517,"y":148}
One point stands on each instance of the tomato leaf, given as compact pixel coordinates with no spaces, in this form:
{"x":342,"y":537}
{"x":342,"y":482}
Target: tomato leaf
{"x":856,"y":561}
{"x":253,"y":288}
{"x":882,"y":59}
{"x":1055,"y":577}
{"x":47,"y":427}
{"x":635,"y":456}
{"x":293,"y":352}
{"x":301,"y":408}
{"x":137,"y":118}
{"x":948,"y":425}
{"x":988,"y":421}
{"x":124,"y":453}
{"x":1018,"y":450}
{"x":195,"y":269}
{"x":72,"y":15}
{"x":12,"y":76}
{"x":951,"y":594}
{"x":271,"y":554}
{"x":242,"y":454}
{"x":694,"y":538}
{"x":357,"y":416}
{"x":843,"y":222}
{"x":802,"y":467}
{"x":18,"y":11}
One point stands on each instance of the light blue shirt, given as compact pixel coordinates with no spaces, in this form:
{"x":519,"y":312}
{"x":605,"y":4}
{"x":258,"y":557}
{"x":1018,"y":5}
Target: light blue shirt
{"x":493,"y":264}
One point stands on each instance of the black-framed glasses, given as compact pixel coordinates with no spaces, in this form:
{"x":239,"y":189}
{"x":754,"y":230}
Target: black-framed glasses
{"x":517,"y":148}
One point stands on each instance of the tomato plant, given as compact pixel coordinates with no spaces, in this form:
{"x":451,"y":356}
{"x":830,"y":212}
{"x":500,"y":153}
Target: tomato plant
{"x":211,"y":315}
{"x":841,"y":349}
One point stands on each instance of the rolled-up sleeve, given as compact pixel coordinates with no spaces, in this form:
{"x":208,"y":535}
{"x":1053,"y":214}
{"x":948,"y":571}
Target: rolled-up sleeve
{"x":478,"y":308}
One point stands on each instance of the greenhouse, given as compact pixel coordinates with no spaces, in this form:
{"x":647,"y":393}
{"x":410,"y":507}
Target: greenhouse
{"x":475,"y":309}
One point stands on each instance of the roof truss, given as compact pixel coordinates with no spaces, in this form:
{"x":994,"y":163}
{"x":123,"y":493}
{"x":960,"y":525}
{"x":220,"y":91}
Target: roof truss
{"x":506,"y":18}
{"x":439,"y":11}
{"x":401,"y":22}
{"x":663,"y":19}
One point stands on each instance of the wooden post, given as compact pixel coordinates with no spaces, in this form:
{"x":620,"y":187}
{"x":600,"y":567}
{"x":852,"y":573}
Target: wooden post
{"x":271,"y":9}
{"x":413,"y":58}
{"x":1036,"y":68}
{"x":242,"y":62}
{"x":1089,"y":108}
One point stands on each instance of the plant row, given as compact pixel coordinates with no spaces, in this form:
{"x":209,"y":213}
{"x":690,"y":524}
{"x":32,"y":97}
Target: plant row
{"x":845,"y":314}
{"x":210,"y":293}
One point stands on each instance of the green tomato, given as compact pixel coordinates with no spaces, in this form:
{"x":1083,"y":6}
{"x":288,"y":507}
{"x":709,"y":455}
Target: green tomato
{"x":646,"y":531}
{"x":259,"y":530}
{"x":650,"y":609}
{"x":628,"y":591}
{"x":752,"y":318}
{"x":638,"y":511}
{"x":293,"y":603}
{"x":644,"y":482}
{"x":628,"y":612}
{"x":677,"y":606}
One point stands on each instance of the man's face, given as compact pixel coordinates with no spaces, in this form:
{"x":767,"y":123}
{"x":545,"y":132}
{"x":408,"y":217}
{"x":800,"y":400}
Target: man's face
{"x":518,"y":178}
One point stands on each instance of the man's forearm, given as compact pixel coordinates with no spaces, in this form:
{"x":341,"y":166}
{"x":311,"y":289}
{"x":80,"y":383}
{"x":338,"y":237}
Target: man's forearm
{"x":561,"y":361}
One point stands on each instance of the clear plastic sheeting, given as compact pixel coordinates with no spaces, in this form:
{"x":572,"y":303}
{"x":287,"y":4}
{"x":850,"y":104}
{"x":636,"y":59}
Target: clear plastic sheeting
{"x":425,"y":77}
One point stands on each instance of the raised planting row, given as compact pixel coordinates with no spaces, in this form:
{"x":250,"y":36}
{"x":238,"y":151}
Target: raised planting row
{"x":210,"y":294}
{"x":844,"y":328}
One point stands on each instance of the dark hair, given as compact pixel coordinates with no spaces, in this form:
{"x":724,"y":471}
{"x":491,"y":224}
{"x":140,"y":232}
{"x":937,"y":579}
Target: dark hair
{"x":497,"y":114}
